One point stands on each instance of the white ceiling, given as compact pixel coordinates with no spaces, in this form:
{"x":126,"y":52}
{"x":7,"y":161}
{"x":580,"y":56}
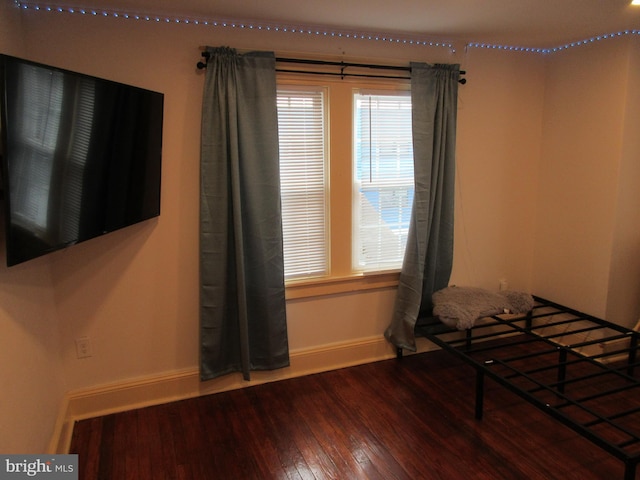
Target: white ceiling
{"x":528,"y":23}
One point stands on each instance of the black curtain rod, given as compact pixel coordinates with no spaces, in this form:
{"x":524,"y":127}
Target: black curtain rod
{"x":342,"y":66}
{"x":343,"y":74}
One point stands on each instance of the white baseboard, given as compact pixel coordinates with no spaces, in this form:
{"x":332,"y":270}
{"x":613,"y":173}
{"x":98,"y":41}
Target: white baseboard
{"x":179,"y":385}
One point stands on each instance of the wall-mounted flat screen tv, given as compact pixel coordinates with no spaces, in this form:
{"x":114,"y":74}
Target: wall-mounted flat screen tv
{"x":81,"y":156}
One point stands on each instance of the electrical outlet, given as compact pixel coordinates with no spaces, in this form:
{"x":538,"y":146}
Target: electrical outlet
{"x":83,"y":347}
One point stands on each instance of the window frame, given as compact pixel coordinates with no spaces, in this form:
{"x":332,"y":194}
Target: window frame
{"x":341,"y":277}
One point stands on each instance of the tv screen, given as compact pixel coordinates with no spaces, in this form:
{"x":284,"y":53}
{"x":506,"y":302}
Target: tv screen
{"x":81,"y":156}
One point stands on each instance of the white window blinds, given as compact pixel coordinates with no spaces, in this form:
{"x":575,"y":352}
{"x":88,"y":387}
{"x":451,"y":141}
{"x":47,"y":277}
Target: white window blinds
{"x":383,"y":180}
{"x":301,"y":129}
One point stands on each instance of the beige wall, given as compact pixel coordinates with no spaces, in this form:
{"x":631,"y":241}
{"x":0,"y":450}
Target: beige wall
{"x":135,"y":292}
{"x":623,"y":301}
{"x":588,"y":153}
{"x":11,"y":33}
{"x":31,"y":376}
{"x":499,"y":128}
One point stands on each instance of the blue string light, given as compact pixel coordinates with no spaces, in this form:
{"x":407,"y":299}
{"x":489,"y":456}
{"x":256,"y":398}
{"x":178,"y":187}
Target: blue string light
{"x":315,"y":32}
{"x":510,"y":48}
{"x":566,"y":46}
{"x":214,"y":23}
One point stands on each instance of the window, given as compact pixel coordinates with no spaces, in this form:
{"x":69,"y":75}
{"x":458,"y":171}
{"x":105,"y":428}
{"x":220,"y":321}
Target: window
{"x":346,"y":169}
{"x":301,"y":128}
{"x":383,"y":180}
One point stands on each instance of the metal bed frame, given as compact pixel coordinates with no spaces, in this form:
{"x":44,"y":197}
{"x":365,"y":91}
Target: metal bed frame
{"x":555,"y":358}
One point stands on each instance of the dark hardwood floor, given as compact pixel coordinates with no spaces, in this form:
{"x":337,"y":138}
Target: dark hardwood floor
{"x":396,"y":419}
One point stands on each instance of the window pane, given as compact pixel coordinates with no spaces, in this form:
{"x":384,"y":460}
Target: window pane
{"x":301,"y":129}
{"x":383,"y":180}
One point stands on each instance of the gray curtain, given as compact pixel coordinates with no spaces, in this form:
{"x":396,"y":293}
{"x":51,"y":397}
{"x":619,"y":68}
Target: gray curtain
{"x":429,"y":253}
{"x":242,"y":305}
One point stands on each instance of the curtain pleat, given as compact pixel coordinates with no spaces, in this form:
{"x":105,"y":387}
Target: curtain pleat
{"x":428,"y":256}
{"x":242,"y":295}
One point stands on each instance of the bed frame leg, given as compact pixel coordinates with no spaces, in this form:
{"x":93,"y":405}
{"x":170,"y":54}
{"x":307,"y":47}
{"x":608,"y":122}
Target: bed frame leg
{"x":479,"y":393}
{"x":562,"y":369}
{"x":632,"y":353}
{"x":398,"y":352}
{"x":629,"y":471}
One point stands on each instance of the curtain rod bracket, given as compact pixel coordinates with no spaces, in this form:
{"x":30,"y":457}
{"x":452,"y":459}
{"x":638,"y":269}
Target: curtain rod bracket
{"x":202,"y":65}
